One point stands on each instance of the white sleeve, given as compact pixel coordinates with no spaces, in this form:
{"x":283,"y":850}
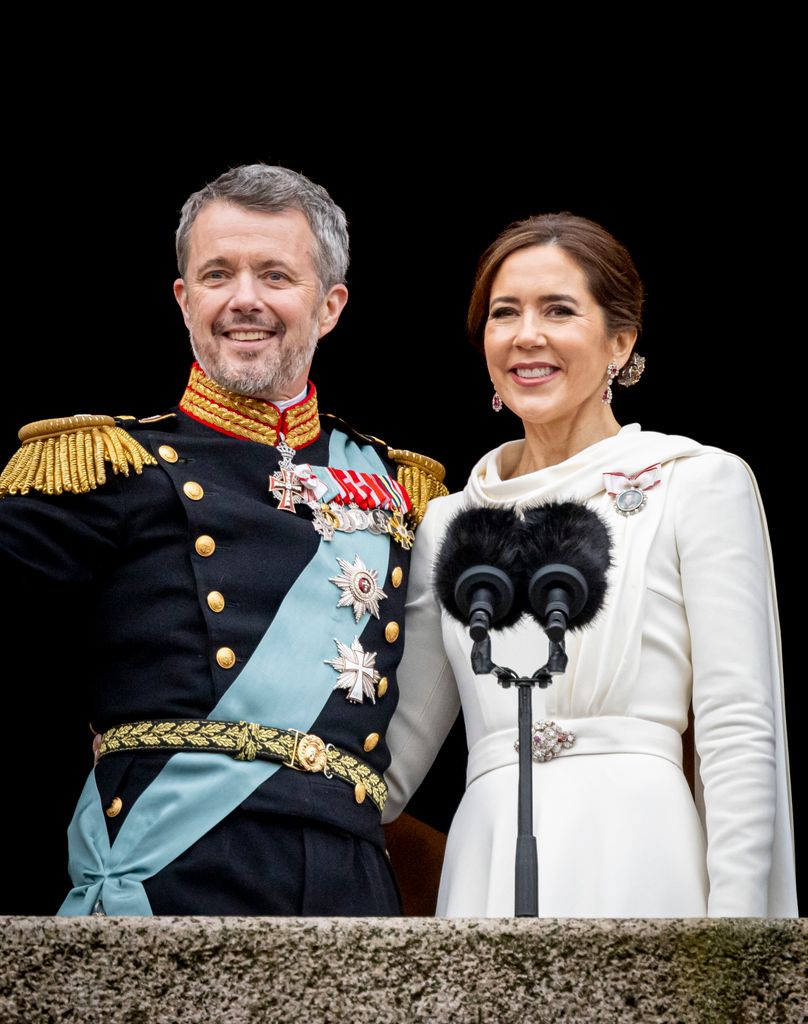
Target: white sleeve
{"x":728,"y":589}
{"x":428,"y":699}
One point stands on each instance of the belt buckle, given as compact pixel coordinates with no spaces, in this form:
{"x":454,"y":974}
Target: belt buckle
{"x":309,"y":754}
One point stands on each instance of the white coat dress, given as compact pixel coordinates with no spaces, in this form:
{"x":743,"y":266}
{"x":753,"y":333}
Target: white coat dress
{"x":690,"y":618}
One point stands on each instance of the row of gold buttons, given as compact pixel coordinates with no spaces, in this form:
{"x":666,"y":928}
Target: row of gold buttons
{"x":205,"y":546}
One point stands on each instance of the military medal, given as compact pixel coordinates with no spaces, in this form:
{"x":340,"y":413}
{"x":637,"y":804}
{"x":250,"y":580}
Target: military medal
{"x":377,"y":521}
{"x":360,"y":588}
{"x":329,"y":518}
{"x":356,"y":670}
{"x":359,"y":519}
{"x":287,"y":489}
{"x":292,"y":484}
{"x":629,"y":491}
{"x":347,"y":523}
{"x":399,"y":531}
{"x":325,"y":521}
{"x":364,"y":501}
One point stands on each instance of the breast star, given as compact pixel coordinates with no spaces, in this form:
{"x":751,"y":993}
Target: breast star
{"x":360,"y":588}
{"x":356,"y":670}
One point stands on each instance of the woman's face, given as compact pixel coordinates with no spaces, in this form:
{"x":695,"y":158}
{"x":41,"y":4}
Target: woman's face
{"x":546,"y":342}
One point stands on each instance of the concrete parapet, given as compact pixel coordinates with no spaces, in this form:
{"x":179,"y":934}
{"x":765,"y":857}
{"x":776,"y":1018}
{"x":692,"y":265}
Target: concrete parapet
{"x":379,"y":970}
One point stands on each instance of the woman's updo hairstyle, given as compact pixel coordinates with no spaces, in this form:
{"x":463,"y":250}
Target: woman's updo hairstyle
{"x":609,"y":270}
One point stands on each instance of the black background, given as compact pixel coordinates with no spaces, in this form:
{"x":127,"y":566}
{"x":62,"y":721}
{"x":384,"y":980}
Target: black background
{"x":702,"y":194}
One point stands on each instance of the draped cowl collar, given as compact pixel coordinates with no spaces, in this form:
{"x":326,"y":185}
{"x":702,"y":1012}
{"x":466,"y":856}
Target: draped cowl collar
{"x":579,"y":477}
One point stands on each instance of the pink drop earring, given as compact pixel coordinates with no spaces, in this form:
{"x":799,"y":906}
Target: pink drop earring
{"x":611,"y":372}
{"x":496,"y":403}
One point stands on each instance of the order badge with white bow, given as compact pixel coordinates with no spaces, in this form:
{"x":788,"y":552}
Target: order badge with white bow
{"x":629,"y":490}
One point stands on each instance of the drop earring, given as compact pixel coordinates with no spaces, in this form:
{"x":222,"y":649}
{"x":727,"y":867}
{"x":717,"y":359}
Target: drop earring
{"x":611,"y":372}
{"x":496,"y":403}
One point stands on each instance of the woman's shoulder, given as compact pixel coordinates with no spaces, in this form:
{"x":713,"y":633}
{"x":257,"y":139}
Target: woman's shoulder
{"x":692,"y":460}
{"x":713,"y":465}
{"x":440,"y":510}
{"x":714,"y":494}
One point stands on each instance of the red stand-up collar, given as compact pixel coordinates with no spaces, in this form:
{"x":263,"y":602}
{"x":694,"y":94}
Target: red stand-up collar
{"x":251,"y":419}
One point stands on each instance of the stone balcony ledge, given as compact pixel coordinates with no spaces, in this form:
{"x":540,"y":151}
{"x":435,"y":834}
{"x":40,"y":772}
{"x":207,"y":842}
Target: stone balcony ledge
{"x":234,"y":970}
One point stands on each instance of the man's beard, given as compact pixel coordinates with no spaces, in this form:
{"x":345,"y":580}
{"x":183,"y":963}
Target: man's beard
{"x":271,"y":372}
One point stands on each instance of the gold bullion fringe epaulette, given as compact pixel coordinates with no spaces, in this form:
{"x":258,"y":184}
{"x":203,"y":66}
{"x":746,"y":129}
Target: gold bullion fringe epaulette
{"x":422,"y":477}
{"x":70,"y":454}
{"x":246,"y":741}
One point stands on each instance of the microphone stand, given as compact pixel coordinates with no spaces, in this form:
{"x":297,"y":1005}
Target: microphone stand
{"x":526,"y":903}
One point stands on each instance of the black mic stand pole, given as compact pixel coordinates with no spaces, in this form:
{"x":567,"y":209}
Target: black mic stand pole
{"x":526,"y":903}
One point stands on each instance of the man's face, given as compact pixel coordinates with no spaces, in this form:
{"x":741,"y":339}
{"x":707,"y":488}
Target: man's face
{"x":252,"y":300}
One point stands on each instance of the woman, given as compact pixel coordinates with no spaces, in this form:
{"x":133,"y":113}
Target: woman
{"x":689,"y":620}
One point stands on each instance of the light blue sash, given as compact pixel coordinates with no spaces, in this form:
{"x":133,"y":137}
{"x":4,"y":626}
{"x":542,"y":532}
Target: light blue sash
{"x":285,"y":683}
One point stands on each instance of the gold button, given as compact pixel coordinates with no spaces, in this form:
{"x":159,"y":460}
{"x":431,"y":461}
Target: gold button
{"x":371,"y":741}
{"x":396,"y":576}
{"x":391,"y":632}
{"x":359,"y":792}
{"x":205,"y":545}
{"x":192,"y":490}
{"x":381,"y":689}
{"x":225,"y":657}
{"x":215,"y":601}
{"x":167,"y":453}
{"x":114,"y":808}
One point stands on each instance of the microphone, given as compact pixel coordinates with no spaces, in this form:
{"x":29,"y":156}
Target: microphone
{"x":477,"y":567}
{"x":567,"y":548}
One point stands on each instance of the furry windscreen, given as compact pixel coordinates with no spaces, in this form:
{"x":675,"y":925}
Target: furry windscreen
{"x":479,"y":536}
{"x":568,"y":533}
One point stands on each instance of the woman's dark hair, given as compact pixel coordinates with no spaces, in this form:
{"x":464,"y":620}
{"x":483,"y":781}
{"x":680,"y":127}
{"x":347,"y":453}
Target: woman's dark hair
{"x":610,"y":273}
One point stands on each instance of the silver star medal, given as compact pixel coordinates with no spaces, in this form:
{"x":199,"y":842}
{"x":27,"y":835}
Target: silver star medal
{"x":356,"y":672}
{"x":360,"y":588}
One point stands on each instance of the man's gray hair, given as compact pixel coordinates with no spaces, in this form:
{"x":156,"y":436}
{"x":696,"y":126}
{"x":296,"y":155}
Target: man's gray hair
{"x":273,"y":190}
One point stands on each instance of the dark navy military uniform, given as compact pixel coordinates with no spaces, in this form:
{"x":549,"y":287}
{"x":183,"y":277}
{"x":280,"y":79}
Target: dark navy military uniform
{"x":178,"y":586}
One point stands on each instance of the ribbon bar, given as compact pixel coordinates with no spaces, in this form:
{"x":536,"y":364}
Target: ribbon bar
{"x":369,"y":490}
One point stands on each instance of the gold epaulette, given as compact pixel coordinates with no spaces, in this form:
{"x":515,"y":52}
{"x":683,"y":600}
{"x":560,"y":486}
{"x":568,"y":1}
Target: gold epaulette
{"x":69,"y":454}
{"x":421,"y":476}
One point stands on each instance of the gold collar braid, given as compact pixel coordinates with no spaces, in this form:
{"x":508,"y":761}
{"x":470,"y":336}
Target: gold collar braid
{"x":251,"y":419}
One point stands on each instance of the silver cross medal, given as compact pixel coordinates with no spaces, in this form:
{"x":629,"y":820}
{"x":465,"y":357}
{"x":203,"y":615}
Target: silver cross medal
{"x":285,"y":485}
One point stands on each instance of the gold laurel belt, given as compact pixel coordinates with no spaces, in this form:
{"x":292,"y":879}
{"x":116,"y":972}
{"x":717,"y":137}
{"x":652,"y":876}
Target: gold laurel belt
{"x":246,"y":741}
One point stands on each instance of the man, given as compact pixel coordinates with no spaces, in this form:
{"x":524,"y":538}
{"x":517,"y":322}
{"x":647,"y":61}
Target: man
{"x":243,"y":563}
